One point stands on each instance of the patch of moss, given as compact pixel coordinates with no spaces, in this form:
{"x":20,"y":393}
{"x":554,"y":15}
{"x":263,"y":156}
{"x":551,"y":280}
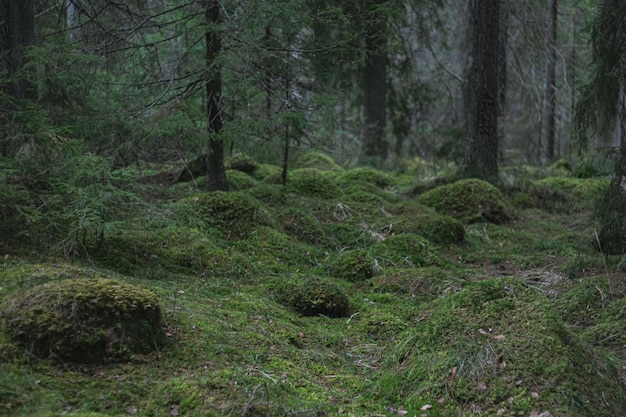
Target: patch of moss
{"x":270,"y":194}
{"x":85,"y":320}
{"x":427,"y":282}
{"x":236,"y":214}
{"x":359,"y":187}
{"x":242,"y":162}
{"x":567,"y":194}
{"x":301,"y":225}
{"x":317,"y":160}
{"x":609,"y":329}
{"x":312,"y":182}
{"x":238,"y":180}
{"x":404,"y":249}
{"x":498,"y":346}
{"x":314,"y":295}
{"x":353,"y":265}
{"x":425,"y":221}
{"x":265,"y":173}
{"x":370,"y":175}
{"x":468,"y":200}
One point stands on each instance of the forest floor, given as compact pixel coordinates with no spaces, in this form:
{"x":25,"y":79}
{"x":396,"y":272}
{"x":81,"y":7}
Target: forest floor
{"x":520,"y":318}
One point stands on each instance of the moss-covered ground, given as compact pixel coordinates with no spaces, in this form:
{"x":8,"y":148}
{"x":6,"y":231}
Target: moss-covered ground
{"x":337,"y":295}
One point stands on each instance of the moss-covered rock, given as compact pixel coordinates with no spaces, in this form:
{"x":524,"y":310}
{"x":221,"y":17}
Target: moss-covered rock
{"x":425,"y":221}
{"x":318,"y":160}
{"x":468,"y":200}
{"x":238,"y":180}
{"x":234,"y":213}
{"x":499,"y":345}
{"x":242,"y":162}
{"x":314,"y":295}
{"x":353,"y":265}
{"x":566,"y":193}
{"x":373,"y":176}
{"x":301,"y":225}
{"x":312,"y":182}
{"x":85,"y":320}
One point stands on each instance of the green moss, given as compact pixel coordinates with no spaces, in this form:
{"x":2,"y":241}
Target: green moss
{"x":301,"y":225}
{"x":364,"y":188}
{"x":468,"y":200}
{"x":242,"y":162}
{"x":313,"y":296}
{"x":312,"y":182}
{"x":427,"y":282}
{"x":270,"y":194}
{"x":404,"y":249}
{"x":234,"y":213}
{"x":318,"y":160}
{"x":567,"y":194}
{"x":609,"y":329}
{"x":498,"y":343}
{"x":370,"y":175}
{"x":84,"y":320}
{"x":238,"y":180}
{"x":353,"y":265}
{"x":267,"y":173}
{"x":423,"y":220}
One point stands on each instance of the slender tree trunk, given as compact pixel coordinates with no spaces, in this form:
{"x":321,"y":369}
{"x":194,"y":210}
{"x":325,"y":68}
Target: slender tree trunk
{"x":548,"y":130}
{"x":482,"y":121}
{"x":72,"y":15}
{"x":374,"y":148}
{"x":216,"y":178}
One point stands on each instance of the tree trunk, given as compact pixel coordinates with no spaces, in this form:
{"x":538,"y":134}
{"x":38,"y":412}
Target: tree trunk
{"x":548,"y":132}
{"x":374,"y":149}
{"x":482,"y":121}
{"x":216,"y":178}
{"x":72,"y":15}
{"x":17,"y":31}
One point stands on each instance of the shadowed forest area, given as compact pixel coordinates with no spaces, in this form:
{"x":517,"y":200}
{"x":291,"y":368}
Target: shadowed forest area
{"x":312,"y":208}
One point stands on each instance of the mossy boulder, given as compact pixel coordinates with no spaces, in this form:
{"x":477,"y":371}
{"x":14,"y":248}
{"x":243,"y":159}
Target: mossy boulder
{"x":425,"y":221}
{"x":469,"y":201}
{"x":313,"y":296}
{"x":301,"y":225}
{"x":242,"y":162}
{"x":318,"y":160}
{"x":85,"y":320}
{"x":238,"y":180}
{"x":498,"y":345}
{"x":373,"y":176}
{"x":566,"y":193}
{"x":312,"y":182}
{"x":234,"y":213}
{"x":353,"y":265}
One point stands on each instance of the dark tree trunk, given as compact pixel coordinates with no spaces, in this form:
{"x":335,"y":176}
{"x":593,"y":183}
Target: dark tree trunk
{"x":482,"y":121}
{"x":548,"y":132}
{"x":216,"y":178}
{"x":17,"y":26}
{"x":374,"y":148}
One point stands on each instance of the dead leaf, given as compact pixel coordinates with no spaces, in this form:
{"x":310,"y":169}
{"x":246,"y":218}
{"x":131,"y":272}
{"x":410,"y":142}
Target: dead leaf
{"x":534,"y":413}
{"x":499,"y":337}
{"x":534,"y":395}
{"x":402,"y":412}
{"x":441,"y":400}
{"x":174,"y":410}
{"x":481,"y":331}
{"x":453,"y":373}
{"x":481,"y":385}
{"x":426,"y":407}
{"x":132,"y":410}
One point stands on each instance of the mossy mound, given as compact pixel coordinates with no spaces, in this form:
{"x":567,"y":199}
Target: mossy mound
{"x":370,"y":175}
{"x":242,"y":162}
{"x":301,"y":225}
{"x":353,"y":265}
{"x":499,"y":347}
{"x":581,"y":304}
{"x":85,"y":320}
{"x":234,"y":213}
{"x":267,"y":171}
{"x":425,"y":221}
{"x":318,"y":160}
{"x":427,"y":282}
{"x":238,"y":180}
{"x":270,"y":194}
{"x":314,"y":296}
{"x":609,"y":329}
{"x":405,"y":249}
{"x":312,"y":182}
{"x":468,"y":200}
{"x":359,"y":187}
{"x":566,"y":193}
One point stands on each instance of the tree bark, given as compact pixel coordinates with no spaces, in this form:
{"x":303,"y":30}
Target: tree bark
{"x":374,"y":149}
{"x":482,"y":122}
{"x":216,"y":178}
{"x":548,"y":130}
